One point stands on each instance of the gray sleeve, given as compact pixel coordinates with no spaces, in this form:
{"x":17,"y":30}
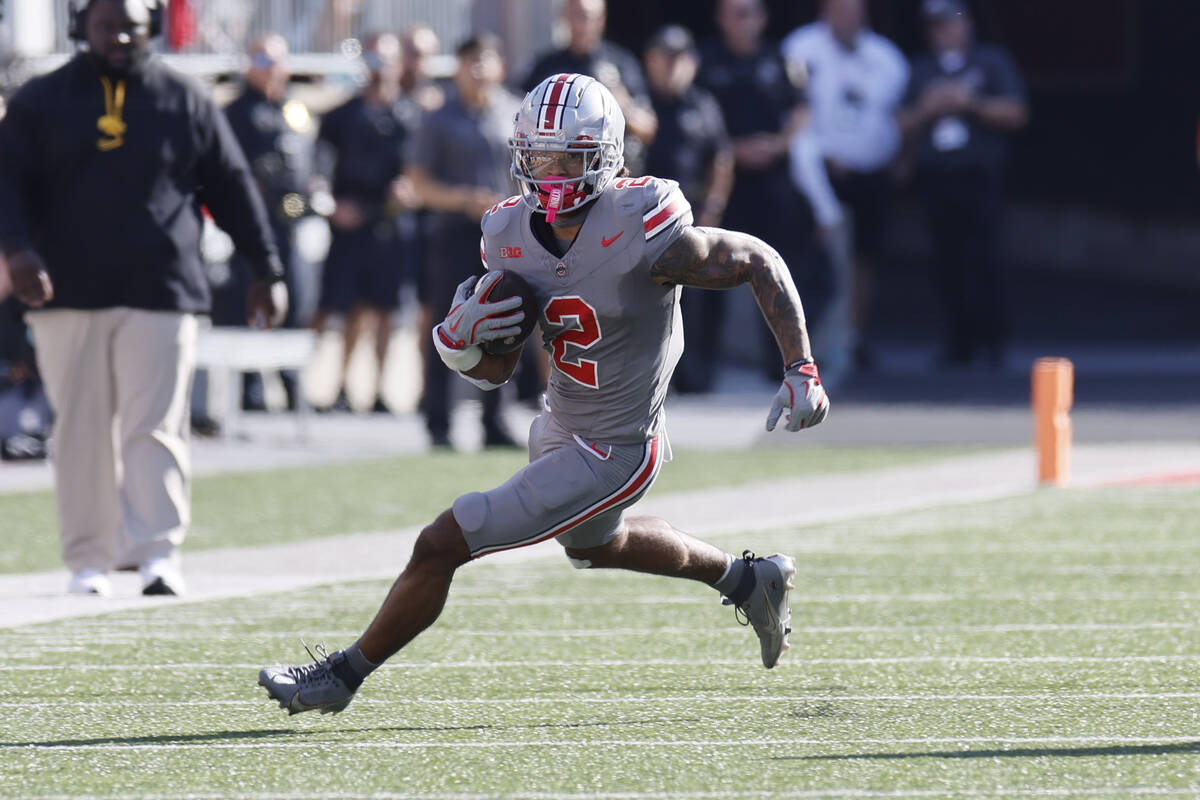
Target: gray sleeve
{"x":666,"y":215}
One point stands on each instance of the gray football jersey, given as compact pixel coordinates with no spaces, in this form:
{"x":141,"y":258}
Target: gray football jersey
{"x":613,"y":334}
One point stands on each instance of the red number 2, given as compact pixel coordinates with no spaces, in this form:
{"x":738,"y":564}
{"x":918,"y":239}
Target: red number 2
{"x":583,"y":331}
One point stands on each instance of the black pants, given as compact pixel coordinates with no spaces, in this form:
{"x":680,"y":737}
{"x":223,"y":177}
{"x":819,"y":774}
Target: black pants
{"x":703,"y":313}
{"x":452,"y":256}
{"x":766,"y":205}
{"x":229,"y":308}
{"x":965,"y":217}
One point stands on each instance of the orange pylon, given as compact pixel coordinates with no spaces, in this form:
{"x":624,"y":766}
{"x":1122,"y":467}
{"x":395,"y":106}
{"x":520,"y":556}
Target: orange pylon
{"x":1053,"y":394}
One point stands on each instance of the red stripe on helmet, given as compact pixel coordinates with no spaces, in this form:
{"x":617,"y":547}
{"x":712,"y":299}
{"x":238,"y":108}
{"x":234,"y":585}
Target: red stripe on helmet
{"x":551,"y":102}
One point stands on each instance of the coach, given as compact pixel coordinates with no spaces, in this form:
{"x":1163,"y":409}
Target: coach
{"x":104,"y":165}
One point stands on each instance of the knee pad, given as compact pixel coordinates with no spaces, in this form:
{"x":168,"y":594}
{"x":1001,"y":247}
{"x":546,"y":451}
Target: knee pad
{"x":470,"y":511}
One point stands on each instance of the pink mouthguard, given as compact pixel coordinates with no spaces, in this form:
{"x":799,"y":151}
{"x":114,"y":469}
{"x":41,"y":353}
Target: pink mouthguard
{"x":556,"y":198}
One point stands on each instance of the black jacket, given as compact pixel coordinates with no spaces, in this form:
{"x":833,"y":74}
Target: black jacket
{"x":117,"y":217}
{"x":279,"y":155}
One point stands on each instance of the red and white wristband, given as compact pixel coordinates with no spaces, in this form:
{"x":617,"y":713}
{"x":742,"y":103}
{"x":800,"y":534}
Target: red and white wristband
{"x":804,"y":366}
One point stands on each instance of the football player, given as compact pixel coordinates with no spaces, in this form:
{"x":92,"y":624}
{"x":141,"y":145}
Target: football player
{"x":606,"y":256}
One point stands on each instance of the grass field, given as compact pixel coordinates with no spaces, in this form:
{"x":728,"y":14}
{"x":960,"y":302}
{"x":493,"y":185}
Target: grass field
{"x":1040,"y":646}
{"x":287,"y":505}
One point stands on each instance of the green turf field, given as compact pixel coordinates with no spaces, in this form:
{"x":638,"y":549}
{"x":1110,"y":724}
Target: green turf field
{"x":1040,"y":646}
{"x":287,"y":505}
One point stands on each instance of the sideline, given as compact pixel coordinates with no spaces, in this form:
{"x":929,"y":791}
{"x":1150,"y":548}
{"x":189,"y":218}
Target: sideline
{"x":242,"y":572}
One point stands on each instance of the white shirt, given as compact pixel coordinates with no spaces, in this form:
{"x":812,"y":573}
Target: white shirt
{"x":852,"y":94}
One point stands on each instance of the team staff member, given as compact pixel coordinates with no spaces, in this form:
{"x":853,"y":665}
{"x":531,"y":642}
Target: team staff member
{"x":104,"y":164}
{"x":962,"y":104}
{"x":691,"y":147}
{"x":275,"y":134}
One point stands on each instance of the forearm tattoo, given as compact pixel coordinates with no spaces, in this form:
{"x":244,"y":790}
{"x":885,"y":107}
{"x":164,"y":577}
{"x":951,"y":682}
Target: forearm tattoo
{"x":715,"y":258}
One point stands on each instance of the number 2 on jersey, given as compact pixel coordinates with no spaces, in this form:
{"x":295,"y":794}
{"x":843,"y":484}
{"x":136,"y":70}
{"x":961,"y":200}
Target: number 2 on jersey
{"x":583,"y":331}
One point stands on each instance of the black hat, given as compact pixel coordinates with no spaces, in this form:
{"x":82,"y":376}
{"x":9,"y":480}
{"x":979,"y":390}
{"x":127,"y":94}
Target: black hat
{"x":674,"y":39}
{"x":938,"y":10}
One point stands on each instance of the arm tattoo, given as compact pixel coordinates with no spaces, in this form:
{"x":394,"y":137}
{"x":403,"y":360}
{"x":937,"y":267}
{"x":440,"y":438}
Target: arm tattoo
{"x":715,"y":258}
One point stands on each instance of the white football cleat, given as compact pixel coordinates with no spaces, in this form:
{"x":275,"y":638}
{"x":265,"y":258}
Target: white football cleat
{"x":766,"y":607}
{"x":90,"y":581}
{"x":323,"y":686}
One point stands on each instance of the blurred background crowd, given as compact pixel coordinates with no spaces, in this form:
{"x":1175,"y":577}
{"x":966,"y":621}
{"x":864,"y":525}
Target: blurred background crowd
{"x":950,"y":181}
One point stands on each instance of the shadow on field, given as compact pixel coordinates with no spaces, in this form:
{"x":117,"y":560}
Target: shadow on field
{"x":1021,"y":752}
{"x":216,"y":736}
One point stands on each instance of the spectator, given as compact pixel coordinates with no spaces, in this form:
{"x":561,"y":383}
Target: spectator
{"x":763,"y":109}
{"x":460,"y":168}
{"x":102,"y":237}
{"x":338,"y":23}
{"x":23,"y":421}
{"x":856,"y":79}
{"x":417,"y":44}
{"x":274,"y":133}
{"x":962,"y":104}
{"x":361,"y":145}
{"x":589,"y":53}
{"x":691,"y":147}
{"x":20,"y":434}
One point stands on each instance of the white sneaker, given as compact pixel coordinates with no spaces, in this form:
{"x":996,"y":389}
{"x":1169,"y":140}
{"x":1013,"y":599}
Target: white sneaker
{"x":161,"y":576}
{"x":90,"y":581}
{"x":327,"y":686}
{"x":766,"y":607}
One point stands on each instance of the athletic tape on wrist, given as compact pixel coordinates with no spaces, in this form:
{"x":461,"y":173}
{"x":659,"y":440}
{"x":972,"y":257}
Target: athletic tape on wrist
{"x":457,"y":359}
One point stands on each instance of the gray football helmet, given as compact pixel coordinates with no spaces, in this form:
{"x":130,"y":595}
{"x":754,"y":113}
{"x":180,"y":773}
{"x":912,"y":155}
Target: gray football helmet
{"x":567,"y":143}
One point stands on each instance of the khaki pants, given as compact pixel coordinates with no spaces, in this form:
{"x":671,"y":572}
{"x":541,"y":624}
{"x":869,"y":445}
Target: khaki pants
{"x":118,"y":380}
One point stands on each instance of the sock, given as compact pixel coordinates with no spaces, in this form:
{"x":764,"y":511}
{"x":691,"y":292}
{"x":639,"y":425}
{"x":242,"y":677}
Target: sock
{"x":737,"y":581}
{"x":358,"y":665}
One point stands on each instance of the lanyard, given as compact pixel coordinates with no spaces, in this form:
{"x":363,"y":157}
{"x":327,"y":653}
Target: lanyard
{"x":111,"y":124}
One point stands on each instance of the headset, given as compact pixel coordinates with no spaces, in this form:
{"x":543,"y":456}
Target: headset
{"x":77,"y":18}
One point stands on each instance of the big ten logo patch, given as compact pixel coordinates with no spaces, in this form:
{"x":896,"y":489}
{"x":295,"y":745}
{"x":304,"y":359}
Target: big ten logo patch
{"x":510,"y":252}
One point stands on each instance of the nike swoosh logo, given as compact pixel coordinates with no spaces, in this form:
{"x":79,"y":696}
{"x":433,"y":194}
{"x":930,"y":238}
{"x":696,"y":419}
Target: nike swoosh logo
{"x":606,"y":242}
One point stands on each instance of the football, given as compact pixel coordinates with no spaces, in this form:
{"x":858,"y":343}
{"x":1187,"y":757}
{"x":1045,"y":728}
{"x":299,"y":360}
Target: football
{"x":513,"y":285}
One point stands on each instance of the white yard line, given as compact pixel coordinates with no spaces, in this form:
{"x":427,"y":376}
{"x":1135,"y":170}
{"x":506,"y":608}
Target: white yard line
{"x":749,"y":794}
{"x":67,"y":642}
{"x":241,"y":572}
{"x":1173,"y":658}
{"x":690,"y":700}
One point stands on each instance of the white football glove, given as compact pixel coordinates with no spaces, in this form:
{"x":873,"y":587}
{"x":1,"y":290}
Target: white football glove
{"x":473,"y":320}
{"x":803,"y":396}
